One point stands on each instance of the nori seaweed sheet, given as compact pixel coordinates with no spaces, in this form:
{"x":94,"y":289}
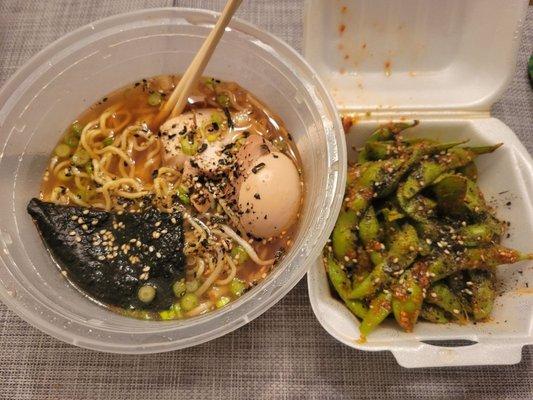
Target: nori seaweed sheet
{"x":72,"y":233}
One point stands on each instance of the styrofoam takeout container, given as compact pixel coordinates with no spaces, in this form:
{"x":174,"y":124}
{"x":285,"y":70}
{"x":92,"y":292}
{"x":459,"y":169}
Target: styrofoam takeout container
{"x":444,"y":63}
{"x":48,"y":93}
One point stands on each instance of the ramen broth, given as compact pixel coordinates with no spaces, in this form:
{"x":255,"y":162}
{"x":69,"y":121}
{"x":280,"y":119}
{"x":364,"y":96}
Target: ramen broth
{"x":71,"y":178}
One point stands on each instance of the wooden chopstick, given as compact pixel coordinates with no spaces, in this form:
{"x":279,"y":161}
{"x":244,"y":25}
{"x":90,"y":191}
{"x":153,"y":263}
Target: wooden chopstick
{"x":178,"y":99}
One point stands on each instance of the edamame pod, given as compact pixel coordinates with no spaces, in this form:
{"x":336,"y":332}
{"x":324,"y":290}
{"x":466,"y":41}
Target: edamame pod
{"x":369,"y":233}
{"x":434,"y":314}
{"x":483,"y":293}
{"x":427,"y":172}
{"x":343,"y":236}
{"x":380,"y":307}
{"x":474,"y":258}
{"x":441,"y":295}
{"x":407,"y":300}
{"x":402,"y":252}
{"x":342,"y":285}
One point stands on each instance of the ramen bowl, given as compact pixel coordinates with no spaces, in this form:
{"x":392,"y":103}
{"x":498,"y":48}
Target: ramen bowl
{"x":46,"y":94}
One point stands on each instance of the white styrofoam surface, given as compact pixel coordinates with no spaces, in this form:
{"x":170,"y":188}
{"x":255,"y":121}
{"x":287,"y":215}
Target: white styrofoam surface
{"x":414,"y":54}
{"x":509,"y":170}
{"x":445,"y":63}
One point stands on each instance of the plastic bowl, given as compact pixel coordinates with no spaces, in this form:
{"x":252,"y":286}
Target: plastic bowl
{"x":45,"y":95}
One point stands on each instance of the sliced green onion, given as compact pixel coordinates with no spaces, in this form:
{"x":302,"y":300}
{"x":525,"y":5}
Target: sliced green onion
{"x":217,"y":118}
{"x":212,"y":137}
{"x":188,"y":148}
{"x":239,"y":254}
{"x":80,"y":158}
{"x":167,"y":315}
{"x":192,"y":286}
{"x":177,"y":310}
{"x":62,"y":150}
{"x":155,"y":99}
{"x":222,"y":301}
{"x":223,"y":100}
{"x":108,"y":141}
{"x":240,"y":142}
{"x":210,"y":82}
{"x":189,"y":301}
{"x":89,"y":168}
{"x":146,"y":293}
{"x":179,"y":288}
{"x":72,"y":141}
{"x":183,"y":195}
{"x":237,"y":287}
{"x":76,"y":129}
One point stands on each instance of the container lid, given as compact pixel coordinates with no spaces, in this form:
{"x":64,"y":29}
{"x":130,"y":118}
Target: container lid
{"x":412,"y":55}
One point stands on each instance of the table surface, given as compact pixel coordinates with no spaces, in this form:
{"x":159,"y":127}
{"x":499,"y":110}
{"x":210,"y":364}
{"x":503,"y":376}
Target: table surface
{"x":284,"y":353}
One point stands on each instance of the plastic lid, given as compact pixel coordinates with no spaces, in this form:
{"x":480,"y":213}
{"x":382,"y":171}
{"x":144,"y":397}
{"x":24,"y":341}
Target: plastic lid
{"x":414,"y":55}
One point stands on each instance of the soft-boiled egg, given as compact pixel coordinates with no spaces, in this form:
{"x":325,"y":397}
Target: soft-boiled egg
{"x":270,"y":190}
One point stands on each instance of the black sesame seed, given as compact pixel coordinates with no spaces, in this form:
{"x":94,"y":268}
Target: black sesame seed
{"x":202,"y":148}
{"x":258,"y":168}
{"x":258,"y":197}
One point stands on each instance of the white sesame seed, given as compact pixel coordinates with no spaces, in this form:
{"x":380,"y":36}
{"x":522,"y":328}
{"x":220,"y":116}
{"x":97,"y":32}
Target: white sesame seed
{"x":433,"y":294}
{"x":455,"y":311}
{"x":156,"y":234}
{"x":158,"y":223}
{"x":72,"y":233}
{"x":78,"y":239}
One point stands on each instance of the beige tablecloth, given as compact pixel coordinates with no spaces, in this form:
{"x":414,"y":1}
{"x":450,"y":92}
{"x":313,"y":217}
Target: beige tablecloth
{"x":284,"y":354}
